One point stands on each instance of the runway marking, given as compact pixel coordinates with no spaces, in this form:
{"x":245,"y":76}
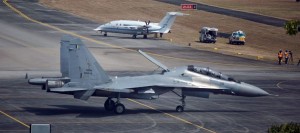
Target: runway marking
{"x":15,"y":119}
{"x":111,"y":45}
{"x":119,"y":47}
{"x":173,"y":116}
{"x":13,"y":40}
{"x":278,"y":84}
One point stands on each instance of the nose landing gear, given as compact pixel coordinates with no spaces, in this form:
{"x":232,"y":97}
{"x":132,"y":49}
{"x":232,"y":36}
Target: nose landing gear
{"x":180,"y":108}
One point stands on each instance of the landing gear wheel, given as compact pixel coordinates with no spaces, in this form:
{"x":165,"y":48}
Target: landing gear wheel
{"x":105,"y":34}
{"x":46,"y":87}
{"x":179,"y":108}
{"x":109,"y":105}
{"x":43,"y":87}
{"x":134,"y":36}
{"x":119,"y":108}
{"x":145,"y":37}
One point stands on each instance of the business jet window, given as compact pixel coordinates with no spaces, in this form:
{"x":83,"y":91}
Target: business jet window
{"x":211,"y":73}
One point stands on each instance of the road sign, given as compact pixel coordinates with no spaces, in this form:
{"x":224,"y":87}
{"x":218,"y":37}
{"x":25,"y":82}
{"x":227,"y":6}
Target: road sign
{"x":188,"y":6}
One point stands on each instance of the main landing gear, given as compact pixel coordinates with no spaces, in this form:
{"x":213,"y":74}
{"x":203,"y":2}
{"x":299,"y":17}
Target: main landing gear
{"x":134,"y":36}
{"x":117,"y":106}
{"x":180,"y":108}
{"x":145,"y":37}
{"x":109,"y":104}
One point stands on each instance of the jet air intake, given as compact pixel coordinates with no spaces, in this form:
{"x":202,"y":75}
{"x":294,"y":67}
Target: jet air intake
{"x":195,"y":93}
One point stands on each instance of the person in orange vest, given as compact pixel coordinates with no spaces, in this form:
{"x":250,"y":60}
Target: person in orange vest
{"x":280,"y":55}
{"x":286,"y":56}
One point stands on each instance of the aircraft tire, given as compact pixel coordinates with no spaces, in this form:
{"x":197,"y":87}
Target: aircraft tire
{"x":145,"y":37}
{"x":179,"y":108}
{"x":44,"y":87}
{"x":119,"y":108}
{"x":134,"y":36}
{"x":109,"y":105}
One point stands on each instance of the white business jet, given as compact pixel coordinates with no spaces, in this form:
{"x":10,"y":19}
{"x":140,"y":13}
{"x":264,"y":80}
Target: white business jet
{"x":139,"y":27}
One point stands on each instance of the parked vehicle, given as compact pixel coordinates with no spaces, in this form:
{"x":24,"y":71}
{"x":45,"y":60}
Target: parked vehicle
{"x":237,"y":37}
{"x":208,"y":35}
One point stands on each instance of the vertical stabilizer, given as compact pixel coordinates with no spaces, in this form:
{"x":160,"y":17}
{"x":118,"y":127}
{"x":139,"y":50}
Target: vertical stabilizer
{"x":83,"y":67}
{"x":167,"y":22}
{"x":64,"y":55}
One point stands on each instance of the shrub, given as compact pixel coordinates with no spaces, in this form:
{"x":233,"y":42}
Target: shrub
{"x":285,"y":128}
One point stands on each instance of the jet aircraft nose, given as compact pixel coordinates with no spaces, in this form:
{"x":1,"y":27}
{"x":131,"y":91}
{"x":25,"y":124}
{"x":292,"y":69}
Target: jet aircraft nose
{"x":251,"y":91}
{"x":98,"y":28}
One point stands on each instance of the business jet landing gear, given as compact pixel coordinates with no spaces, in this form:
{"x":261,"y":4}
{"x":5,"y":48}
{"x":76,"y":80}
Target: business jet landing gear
{"x":109,"y":104}
{"x":145,"y":37}
{"x":105,"y":34}
{"x":160,"y":35}
{"x":119,"y":107}
{"x":180,"y":108}
{"x":134,"y":36}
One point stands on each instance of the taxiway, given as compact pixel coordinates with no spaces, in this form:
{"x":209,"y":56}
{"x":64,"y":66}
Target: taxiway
{"x":30,"y":47}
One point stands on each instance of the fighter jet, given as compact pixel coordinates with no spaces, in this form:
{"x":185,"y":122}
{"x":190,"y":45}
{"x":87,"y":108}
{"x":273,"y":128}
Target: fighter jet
{"x":44,"y":82}
{"x":87,"y":78}
{"x":139,"y":27}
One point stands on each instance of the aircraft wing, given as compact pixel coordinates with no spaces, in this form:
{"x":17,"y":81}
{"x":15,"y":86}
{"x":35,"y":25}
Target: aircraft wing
{"x":67,"y":89}
{"x":79,"y":93}
{"x":130,"y":84}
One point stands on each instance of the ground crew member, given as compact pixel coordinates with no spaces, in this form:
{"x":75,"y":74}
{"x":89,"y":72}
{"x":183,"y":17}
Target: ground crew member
{"x":286,"y":56}
{"x":298,"y":62}
{"x":291,"y":57}
{"x":280,"y":55}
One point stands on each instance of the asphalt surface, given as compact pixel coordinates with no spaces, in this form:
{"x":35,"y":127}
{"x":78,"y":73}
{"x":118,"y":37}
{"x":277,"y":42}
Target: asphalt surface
{"x":29,"y":47}
{"x":233,"y":13}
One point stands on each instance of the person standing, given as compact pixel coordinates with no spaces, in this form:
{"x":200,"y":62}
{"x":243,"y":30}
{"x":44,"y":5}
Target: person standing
{"x":291,"y":57}
{"x":280,"y":55}
{"x":286,"y":56}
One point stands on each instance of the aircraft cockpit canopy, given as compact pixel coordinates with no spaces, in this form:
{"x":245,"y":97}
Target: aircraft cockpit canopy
{"x":211,"y":73}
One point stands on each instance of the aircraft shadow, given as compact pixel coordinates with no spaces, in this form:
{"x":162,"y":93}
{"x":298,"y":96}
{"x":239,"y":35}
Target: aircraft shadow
{"x":92,"y":112}
{"x":129,"y":37}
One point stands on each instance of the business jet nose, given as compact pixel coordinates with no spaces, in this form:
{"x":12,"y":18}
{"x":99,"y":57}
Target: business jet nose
{"x":98,"y":28}
{"x":251,"y":91}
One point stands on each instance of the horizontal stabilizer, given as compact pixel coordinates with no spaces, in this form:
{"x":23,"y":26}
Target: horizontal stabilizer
{"x":84,"y":95}
{"x":177,"y":13}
